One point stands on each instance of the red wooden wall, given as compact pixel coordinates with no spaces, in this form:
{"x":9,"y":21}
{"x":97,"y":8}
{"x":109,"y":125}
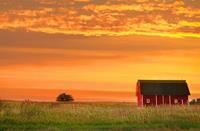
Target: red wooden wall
{"x":161,"y":100}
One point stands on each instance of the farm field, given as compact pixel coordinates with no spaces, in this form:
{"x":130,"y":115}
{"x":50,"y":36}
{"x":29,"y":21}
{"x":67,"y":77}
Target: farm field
{"x":95,"y":116}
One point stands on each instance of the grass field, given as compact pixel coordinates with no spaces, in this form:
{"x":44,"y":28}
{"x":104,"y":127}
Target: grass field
{"x":90,"y":116}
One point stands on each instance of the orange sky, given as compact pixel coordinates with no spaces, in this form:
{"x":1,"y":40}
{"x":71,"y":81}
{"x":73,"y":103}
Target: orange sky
{"x":99,"y":46}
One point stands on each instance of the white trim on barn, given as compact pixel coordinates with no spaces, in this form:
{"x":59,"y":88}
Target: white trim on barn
{"x":142,"y":100}
{"x":163,"y":101}
{"x":176,"y":101}
{"x":148,"y":100}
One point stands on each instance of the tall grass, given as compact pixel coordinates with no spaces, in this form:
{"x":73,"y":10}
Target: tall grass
{"x":58,"y":116}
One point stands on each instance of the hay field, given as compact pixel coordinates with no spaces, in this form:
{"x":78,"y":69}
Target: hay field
{"x":95,"y":116}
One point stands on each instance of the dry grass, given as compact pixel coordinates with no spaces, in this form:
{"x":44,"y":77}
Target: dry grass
{"x":57,"y":116}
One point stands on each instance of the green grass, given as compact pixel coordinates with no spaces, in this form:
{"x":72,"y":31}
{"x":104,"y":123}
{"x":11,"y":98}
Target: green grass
{"x":78,"y":116}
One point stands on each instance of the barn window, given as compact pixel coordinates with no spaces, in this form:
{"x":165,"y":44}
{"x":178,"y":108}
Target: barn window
{"x":148,"y":100}
{"x":175,"y":101}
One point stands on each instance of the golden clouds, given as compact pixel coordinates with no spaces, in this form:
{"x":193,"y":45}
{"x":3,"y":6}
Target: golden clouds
{"x":189,"y":24}
{"x":112,"y":18}
{"x":82,"y":0}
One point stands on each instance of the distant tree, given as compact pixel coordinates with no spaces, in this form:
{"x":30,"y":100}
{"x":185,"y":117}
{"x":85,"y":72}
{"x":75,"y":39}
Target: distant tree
{"x":195,"y":101}
{"x":192,"y":102}
{"x":64,"y":97}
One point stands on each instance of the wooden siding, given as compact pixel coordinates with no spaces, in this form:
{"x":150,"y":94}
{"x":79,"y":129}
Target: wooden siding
{"x":161,"y":100}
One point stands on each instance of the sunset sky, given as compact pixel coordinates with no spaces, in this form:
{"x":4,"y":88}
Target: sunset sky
{"x":96,"y":49}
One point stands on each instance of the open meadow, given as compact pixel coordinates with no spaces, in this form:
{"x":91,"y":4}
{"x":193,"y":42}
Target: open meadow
{"x":91,"y":116}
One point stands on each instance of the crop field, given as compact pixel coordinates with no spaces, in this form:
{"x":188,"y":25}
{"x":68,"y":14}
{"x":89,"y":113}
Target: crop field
{"x":96,"y":116}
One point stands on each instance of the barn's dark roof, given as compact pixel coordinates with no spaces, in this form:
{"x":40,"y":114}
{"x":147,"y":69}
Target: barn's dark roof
{"x":164,"y":87}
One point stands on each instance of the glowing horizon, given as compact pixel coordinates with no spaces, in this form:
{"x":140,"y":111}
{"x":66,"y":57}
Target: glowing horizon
{"x":98,"y":45}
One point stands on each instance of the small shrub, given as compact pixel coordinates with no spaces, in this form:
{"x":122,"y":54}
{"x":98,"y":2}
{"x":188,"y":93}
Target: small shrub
{"x":64,"y":97}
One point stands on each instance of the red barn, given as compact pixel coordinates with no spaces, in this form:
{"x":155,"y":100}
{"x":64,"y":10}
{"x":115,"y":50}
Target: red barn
{"x":162,"y":92}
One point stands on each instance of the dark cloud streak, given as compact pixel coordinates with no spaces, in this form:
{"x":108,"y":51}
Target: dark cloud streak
{"x":23,"y":39}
